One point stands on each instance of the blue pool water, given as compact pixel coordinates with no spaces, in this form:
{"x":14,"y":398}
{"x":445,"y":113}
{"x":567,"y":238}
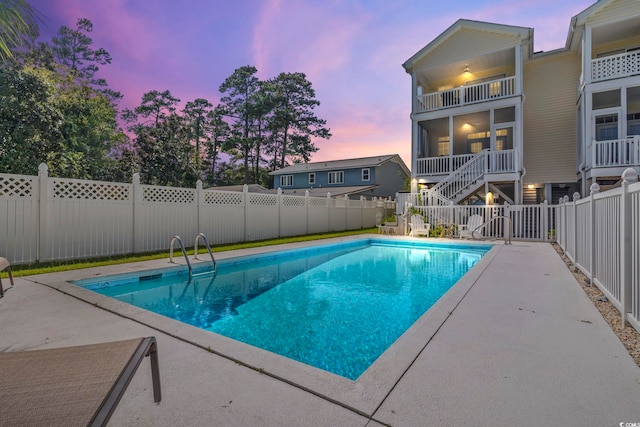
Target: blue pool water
{"x":336,"y":307}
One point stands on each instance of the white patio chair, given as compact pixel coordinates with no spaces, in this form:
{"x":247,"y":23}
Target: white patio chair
{"x":473,"y":224}
{"x":419,"y":227}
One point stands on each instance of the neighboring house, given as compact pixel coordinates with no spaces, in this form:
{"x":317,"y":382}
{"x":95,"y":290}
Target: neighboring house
{"x":489,"y":115}
{"x":377,"y":176}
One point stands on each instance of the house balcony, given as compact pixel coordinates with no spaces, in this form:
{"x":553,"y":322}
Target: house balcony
{"x":617,"y":153}
{"x":468,"y":94}
{"x":615,"y":66}
{"x":495,"y":162}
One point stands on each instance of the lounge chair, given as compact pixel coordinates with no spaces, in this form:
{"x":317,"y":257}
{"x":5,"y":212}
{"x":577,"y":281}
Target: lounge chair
{"x":4,"y":263}
{"x":474,"y":224}
{"x":419,"y":227}
{"x":69,"y":386}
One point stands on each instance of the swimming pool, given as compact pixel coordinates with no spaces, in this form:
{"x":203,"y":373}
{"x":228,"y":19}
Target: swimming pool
{"x":337,"y":307}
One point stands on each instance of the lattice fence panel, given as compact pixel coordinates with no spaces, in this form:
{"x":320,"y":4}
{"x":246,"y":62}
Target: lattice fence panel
{"x":317,"y":202}
{"x":90,"y":190}
{"x":263,"y":199}
{"x":168,"y":194}
{"x":293,"y":201}
{"x":223,"y":198}
{"x":16,"y":186}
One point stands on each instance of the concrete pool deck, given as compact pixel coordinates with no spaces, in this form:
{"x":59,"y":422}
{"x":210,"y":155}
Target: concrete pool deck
{"x":515,"y":342}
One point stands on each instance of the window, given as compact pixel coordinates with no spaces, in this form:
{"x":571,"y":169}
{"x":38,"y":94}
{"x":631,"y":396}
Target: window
{"x":633,"y":124}
{"x":607,"y":127}
{"x":286,"y":180}
{"x":443,"y":146}
{"x":336,"y":177}
{"x":365,"y":174}
{"x":608,"y":99}
{"x":475,"y":147}
{"x":312,"y":178}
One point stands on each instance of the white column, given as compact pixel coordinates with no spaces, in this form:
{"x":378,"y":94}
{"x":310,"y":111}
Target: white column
{"x":519,"y":69}
{"x":586,"y":55}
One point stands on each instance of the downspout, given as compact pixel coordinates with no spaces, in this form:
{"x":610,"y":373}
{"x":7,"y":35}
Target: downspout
{"x":582,"y":174}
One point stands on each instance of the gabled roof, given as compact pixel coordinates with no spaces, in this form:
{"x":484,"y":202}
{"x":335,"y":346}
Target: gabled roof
{"x":362,"y":162}
{"x":523,"y":32}
{"x":576,"y":28}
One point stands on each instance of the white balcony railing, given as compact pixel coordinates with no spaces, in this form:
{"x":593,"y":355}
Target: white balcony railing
{"x":470,"y":94}
{"x":616,"y":153}
{"x":442,"y":165}
{"x":615,"y":66}
{"x":498,"y":162}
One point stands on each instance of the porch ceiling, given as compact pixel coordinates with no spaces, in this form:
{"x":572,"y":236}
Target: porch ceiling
{"x":615,"y":31}
{"x":485,"y":62}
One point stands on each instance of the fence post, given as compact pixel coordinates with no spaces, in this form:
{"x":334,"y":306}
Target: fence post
{"x":576,"y":197}
{"x":565,"y":225}
{"x":594,"y":189}
{"x":279,"y":210}
{"x":306,"y":203}
{"x":363,"y":200}
{"x":137,"y":205}
{"x":199,"y":205}
{"x":629,"y":176}
{"x":245,"y":206}
{"x":329,"y":211}
{"x":544,"y":207}
{"x":346,"y":212}
{"x":43,"y":232}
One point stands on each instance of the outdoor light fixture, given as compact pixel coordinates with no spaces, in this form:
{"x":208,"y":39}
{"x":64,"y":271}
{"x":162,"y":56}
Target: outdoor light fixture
{"x":489,"y":198}
{"x":466,"y":68}
{"x":530,"y":186}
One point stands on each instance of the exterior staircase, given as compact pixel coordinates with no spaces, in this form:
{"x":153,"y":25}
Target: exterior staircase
{"x":460,"y":183}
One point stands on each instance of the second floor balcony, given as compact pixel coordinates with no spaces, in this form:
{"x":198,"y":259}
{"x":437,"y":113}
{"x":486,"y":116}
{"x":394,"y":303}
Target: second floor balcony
{"x":616,"y":153}
{"x":615,"y":66}
{"x":468,"y":94}
{"x":493,"y":161}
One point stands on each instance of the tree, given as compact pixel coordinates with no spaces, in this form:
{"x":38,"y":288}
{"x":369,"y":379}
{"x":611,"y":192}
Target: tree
{"x":196,"y":113}
{"x":293,"y":121}
{"x":72,"y":48}
{"x":156,"y":105}
{"x":238,"y":104}
{"x":29,"y":120}
{"x":217,"y":134}
{"x":17,"y":25}
{"x":164,"y":153}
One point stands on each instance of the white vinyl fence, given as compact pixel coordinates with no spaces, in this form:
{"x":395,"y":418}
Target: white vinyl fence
{"x":601,"y":235}
{"x":44,"y":218}
{"x":520,"y":222}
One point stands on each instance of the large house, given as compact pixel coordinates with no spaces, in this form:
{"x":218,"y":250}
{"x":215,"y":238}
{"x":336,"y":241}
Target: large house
{"x":491,"y":116}
{"x":376,"y":176}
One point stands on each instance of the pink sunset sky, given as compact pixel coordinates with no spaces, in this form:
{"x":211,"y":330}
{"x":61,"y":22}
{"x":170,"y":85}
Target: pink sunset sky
{"x":352,"y":51}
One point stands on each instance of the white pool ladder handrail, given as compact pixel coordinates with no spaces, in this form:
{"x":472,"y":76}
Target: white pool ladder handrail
{"x":195,"y":250}
{"x":507,"y":231}
{"x":184,"y":252}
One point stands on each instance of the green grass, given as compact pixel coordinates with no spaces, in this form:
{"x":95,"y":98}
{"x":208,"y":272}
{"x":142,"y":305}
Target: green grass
{"x":58,"y":266}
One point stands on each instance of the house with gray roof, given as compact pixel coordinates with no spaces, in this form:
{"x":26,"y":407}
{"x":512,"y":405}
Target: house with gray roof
{"x":376,"y":176}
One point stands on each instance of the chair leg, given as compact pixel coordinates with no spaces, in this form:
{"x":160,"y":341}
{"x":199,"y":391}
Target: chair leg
{"x":10,"y":281}
{"x":155,"y":372}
